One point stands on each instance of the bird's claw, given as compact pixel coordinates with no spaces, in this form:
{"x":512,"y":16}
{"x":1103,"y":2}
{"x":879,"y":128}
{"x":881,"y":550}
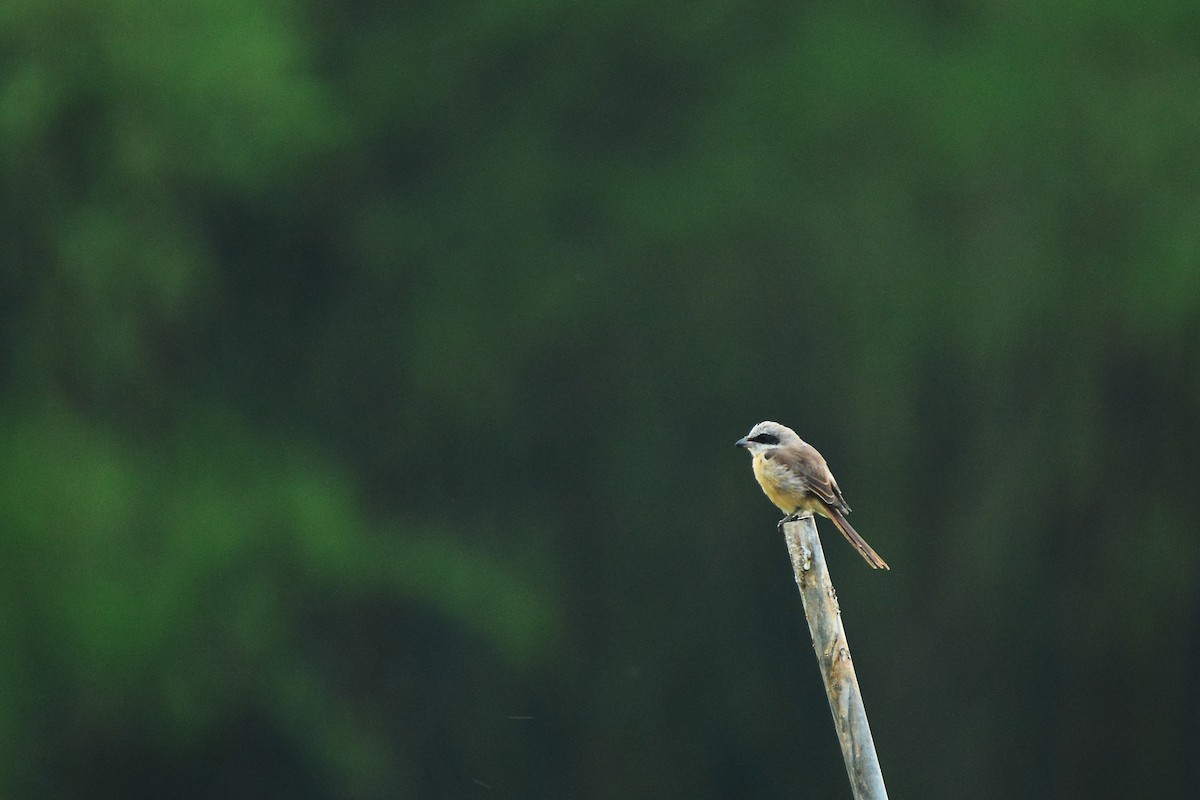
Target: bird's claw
{"x":790,"y":518}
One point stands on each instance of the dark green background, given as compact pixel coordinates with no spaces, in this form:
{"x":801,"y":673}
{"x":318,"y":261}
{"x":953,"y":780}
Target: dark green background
{"x":370,"y":375}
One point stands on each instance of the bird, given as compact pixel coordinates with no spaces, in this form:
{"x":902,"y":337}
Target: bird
{"x":795,"y":477}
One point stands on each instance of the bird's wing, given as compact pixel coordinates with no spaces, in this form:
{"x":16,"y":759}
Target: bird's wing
{"x":808,"y":467}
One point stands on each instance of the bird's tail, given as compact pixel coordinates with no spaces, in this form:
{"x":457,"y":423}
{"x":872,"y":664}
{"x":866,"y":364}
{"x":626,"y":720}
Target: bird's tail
{"x":852,"y":536}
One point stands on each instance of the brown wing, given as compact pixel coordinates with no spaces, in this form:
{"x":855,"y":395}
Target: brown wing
{"x":809,"y":467}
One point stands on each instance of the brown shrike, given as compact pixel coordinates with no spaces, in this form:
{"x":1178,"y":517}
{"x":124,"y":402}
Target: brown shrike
{"x":796,"y":478}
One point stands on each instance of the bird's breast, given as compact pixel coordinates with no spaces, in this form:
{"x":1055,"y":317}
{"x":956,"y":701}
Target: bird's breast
{"x":778,"y":484}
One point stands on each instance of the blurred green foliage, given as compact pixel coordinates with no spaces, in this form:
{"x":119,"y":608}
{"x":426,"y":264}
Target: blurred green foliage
{"x":370,"y":376}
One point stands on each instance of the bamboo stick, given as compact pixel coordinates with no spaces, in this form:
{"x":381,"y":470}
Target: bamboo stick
{"x":833,"y":656}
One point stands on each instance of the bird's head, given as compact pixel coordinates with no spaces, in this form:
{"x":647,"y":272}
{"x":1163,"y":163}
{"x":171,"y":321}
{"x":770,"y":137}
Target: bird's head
{"x":767,"y":435}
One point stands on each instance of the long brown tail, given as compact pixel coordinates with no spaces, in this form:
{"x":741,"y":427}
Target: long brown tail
{"x":852,"y":536}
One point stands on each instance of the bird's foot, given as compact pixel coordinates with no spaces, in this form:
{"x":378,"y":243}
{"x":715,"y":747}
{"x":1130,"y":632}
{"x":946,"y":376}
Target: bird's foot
{"x":791,"y":518}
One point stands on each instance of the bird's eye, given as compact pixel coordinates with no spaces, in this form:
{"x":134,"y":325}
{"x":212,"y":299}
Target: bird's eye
{"x":765,"y":438}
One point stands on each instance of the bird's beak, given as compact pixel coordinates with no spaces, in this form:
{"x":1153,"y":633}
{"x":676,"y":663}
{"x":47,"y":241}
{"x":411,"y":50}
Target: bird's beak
{"x":742,"y":442}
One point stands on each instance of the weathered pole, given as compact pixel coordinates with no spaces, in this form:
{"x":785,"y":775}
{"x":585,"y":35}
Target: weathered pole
{"x":833,"y":657}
